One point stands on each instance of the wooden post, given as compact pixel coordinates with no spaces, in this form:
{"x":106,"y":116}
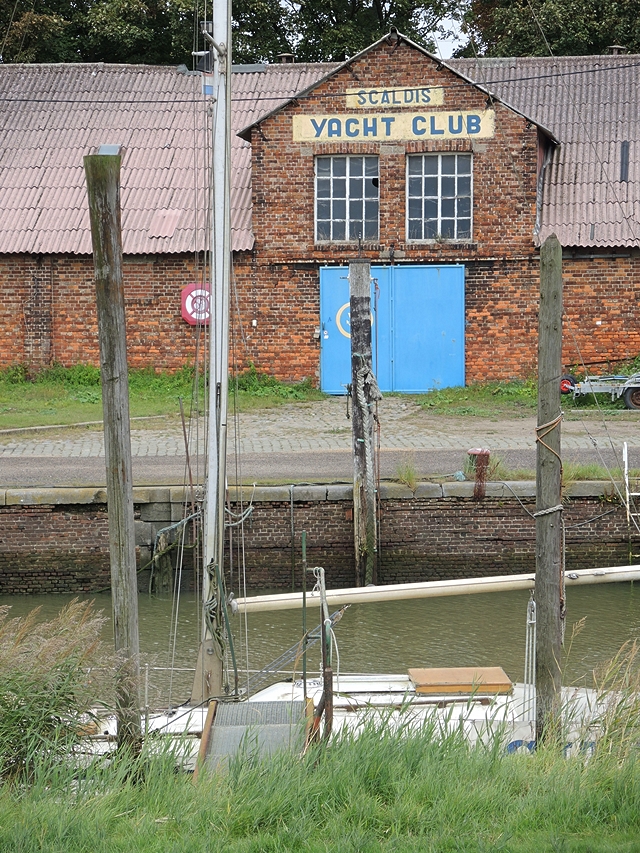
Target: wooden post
{"x":103,"y":189}
{"x":364,"y":391}
{"x":548,"y":585}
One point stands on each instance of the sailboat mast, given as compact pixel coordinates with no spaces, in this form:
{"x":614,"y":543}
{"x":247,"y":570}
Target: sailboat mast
{"x":220,"y":283}
{"x":209,"y":675}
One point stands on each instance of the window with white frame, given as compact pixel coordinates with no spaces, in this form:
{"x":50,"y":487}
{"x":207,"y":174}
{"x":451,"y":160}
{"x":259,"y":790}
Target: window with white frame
{"x":439,"y":194}
{"x":347,"y":198}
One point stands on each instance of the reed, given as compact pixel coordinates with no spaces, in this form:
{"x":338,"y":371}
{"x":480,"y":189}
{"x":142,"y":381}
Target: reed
{"x":46,"y":684}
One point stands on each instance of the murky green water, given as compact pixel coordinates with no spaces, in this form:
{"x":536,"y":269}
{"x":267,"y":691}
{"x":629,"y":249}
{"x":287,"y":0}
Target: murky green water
{"x":487,"y":629}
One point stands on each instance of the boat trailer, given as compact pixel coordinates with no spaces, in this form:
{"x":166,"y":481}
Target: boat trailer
{"x":627,"y":387}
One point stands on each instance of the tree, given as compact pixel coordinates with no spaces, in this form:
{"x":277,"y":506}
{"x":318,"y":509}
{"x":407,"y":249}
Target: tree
{"x":336,"y":29}
{"x":550,"y":27}
{"x":167,"y":31}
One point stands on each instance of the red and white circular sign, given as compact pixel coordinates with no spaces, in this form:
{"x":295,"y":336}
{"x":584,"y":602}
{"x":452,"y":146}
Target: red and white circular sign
{"x":195,"y":304}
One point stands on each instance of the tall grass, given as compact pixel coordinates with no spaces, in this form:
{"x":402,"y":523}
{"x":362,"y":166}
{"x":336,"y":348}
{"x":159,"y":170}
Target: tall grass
{"x":383,"y":790}
{"x":46,"y":685}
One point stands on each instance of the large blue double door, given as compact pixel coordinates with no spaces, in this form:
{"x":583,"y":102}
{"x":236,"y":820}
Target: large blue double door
{"x":417,"y":327}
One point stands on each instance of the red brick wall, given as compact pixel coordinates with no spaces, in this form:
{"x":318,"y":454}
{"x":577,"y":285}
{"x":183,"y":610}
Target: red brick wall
{"x":48,"y":310}
{"x":65,"y":548}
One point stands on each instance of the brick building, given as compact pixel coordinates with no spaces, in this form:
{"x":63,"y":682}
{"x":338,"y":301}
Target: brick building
{"x":446,"y":176}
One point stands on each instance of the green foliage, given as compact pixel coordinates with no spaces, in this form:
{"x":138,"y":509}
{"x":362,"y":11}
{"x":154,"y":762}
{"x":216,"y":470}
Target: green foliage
{"x":484,"y":399}
{"x":44,"y":688}
{"x":550,"y":27}
{"x":406,"y":473}
{"x":147,"y":31}
{"x":339,"y":29}
{"x":259,"y":384}
{"x":98,"y":30}
{"x":407,"y":790}
{"x":61,"y":395}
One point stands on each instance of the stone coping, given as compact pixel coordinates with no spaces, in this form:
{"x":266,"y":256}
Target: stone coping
{"x":63,"y":495}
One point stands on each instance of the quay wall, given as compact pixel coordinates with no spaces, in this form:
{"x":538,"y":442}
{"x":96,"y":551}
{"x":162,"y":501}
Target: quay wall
{"x":56,"y":540}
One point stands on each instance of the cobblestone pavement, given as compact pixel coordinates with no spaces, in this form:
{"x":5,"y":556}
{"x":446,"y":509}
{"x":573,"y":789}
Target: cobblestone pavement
{"x":323,"y":425}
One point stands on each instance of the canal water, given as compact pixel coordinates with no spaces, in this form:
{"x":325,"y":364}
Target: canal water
{"x":472,"y":630}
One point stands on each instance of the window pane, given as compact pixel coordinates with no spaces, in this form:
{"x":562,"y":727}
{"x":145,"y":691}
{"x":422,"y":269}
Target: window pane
{"x":371,"y":188}
{"x":431,"y":186}
{"x":339,"y":166}
{"x":355,"y":188}
{"x":339,"y":230}
{"x":340,"y":188}
{"x":415,"y":208}
{"x":430,"y":229}
{"x":371,"y":210}
{"x":415,"y":165}
{"x":464,"y":208}
{"x":447,"y":229}
{"x":464,"y":186}
{"x":464,"y":229}
{"x":464,"y":164}
{"x":324,"y":208}
{"x":448,"y":186}
{"x":355,"y":209}
{"x":355,"y":166}
{"x":370,"y":230}
{"x":355,"y":231}
{"x":448,"y":164}
{"x":431,"y":208}
{"x":371,"y":167}
{"x":415,"y":229}
{"x":323,"y":166}
{"x":324,"y":230}
{"x":339,"y":208}
{"x":448,"y":207}
{"x":323,"y":188}
{"x":415,"y":186}
{"x":431,"y":165}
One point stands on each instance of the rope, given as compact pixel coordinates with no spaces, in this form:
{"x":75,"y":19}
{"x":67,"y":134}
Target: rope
{"x":543,"y":431}
{"x":548,"y":511}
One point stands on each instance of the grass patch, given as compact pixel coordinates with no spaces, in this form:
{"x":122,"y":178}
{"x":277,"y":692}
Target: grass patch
{"x":406,"y":474}
{"x":381,"y":791}
{"x":483,"y":399}
{"x":60,"y":395}
{"x":253,"y":389}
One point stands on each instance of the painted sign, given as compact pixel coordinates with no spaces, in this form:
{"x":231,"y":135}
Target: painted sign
{"x":414,"y":96}
{"x":387,"y":127}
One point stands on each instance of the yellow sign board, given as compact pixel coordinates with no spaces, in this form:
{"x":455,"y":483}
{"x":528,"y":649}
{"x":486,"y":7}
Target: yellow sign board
{"x":413,"y":96}
{"x":390,"y":127}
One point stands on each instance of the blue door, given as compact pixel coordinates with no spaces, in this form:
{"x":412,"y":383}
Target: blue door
{"x":417,"y":327}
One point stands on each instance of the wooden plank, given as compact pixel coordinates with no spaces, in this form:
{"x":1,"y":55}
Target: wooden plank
{"x":206,"y":737}
{"x":463,"y":680}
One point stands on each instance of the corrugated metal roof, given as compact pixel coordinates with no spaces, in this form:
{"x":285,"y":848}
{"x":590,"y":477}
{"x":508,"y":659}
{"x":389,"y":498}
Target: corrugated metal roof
{"x":51,"y":116}
{"x":590,"y":103}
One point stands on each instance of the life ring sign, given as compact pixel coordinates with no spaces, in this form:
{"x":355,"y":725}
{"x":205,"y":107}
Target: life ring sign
{"x":196,"y":305}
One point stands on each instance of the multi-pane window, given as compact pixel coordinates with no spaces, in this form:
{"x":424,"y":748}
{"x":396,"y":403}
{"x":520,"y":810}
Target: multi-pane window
{"x":347,"y":198}
{"x":439,"y":197}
